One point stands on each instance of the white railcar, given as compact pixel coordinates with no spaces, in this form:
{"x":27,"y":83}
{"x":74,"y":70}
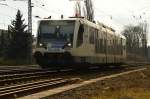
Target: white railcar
{"x":77,"y":41}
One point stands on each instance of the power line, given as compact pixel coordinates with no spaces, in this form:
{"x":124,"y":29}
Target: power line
{"x":40,"y":3}
{"x":47,"y":10}
{"x":8,"y":6}
{"x":143,"y":8}
{"x":4,"y":4}
{"x":6,"y":15}
{"x":108,"y":15}
{"x":102,"y":12}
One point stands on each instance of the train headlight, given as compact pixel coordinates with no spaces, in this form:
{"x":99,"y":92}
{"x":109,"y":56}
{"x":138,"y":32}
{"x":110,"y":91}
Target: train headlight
{"x":41,"y":44}
{"x":69,"y":44}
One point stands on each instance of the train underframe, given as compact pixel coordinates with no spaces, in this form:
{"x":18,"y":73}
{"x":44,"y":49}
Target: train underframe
{"x":65,"y":60}
{"x":54,"y":60}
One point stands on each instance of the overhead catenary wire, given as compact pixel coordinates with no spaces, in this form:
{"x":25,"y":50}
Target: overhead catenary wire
{"x":41,"y":5}
{"x":110,"y":17}
{"x":47,"y":10}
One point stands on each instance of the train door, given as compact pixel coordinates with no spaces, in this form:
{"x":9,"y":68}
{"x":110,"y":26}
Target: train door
{"x":105,"y":45}
{"x":96,"y":35}
{"x":96,"y":41}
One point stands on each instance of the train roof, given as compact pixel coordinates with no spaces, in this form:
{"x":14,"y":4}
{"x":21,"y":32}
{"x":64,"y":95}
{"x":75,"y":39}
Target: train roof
{"x":92,"y":24}
{"x":83,"y":20}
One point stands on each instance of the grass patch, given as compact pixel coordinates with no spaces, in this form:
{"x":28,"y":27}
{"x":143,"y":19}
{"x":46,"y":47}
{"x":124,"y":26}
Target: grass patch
{"x":15,"y":62}
{"x":131,"y":93}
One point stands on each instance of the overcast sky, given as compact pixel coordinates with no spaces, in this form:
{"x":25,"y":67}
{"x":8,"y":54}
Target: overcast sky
{"x":123,"y":12}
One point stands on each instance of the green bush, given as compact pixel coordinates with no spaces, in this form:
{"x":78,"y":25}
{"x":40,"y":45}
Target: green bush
{"x":15,"y":62}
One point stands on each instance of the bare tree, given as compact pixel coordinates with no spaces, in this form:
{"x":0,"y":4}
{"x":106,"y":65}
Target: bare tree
{"x":144,"y":38}
{"x":136,"y":41}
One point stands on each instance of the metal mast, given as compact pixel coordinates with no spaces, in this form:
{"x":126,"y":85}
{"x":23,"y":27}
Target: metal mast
{"x":89,"y":10}
{"x":78,"y":9}
{"x":29,"y":17}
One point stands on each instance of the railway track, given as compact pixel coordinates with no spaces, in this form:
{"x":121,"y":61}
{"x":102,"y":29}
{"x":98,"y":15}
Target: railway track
{"x":9,"y":78}
{"x":32,"y":87}
{"x":21,"y":83}
{"x":18,"y":68}
{"x":15,"y":77}
{"x":59,"y":91}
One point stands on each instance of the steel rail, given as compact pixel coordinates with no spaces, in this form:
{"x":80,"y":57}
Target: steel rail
{"x":25,"y":74}
{"x":4,"y":92}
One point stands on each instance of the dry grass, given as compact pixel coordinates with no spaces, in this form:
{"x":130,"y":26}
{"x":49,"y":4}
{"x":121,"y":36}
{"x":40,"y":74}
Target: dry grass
{"x":131,"y":86}
{"x":131,"y":93}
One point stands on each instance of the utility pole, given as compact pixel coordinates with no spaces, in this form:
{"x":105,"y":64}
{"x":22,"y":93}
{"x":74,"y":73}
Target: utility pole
{"x":78,"y":9}
{"x":89,"y":10}
{"x":29,"y":17}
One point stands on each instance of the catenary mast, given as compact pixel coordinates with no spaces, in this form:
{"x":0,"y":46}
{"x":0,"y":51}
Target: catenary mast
{"x":88,"y":10}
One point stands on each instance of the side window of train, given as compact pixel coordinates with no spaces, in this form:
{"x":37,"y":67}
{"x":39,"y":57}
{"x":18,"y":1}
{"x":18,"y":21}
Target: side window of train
{"x":92,"y":32}
{"x":80,"y":35}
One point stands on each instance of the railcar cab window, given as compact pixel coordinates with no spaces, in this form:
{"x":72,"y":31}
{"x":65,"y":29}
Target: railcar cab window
{"x":80,"y":35}
{"x":56,"y":31}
